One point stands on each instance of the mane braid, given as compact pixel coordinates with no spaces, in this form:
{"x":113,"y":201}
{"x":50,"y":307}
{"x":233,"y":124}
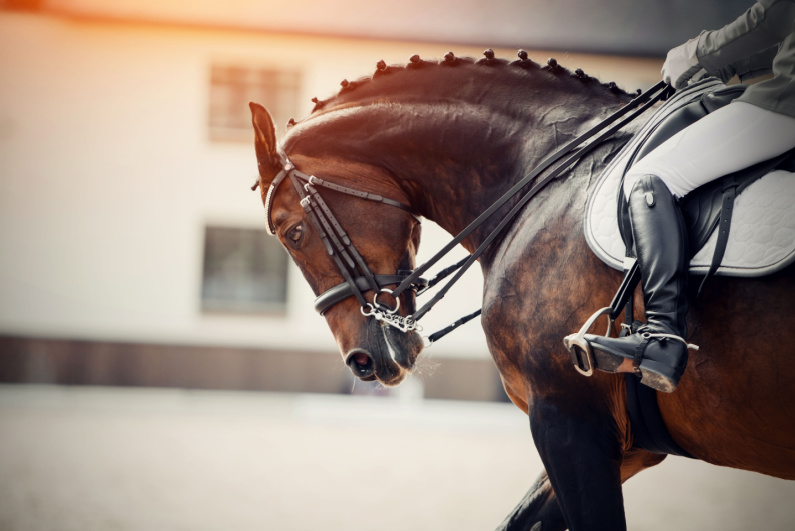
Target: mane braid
{"x":523,"y":64}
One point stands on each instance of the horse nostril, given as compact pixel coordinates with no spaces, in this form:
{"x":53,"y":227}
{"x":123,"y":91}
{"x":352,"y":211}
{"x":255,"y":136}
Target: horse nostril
{"x":361,"y":364}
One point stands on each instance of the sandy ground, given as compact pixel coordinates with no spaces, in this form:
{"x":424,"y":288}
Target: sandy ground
{"x":145,"y":459}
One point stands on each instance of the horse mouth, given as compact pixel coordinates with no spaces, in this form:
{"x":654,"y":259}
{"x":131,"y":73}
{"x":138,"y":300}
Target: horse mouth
{"x":389,"y":358}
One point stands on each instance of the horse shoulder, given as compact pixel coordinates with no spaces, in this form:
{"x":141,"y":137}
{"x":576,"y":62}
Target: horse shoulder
{"x":540,"y":284}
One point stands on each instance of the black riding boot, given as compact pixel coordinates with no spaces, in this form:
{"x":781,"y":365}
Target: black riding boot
{"x":658,"y":348}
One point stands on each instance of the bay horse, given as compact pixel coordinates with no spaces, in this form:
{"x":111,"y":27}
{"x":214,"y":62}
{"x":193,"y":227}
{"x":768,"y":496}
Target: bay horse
{"x":443,"y":140}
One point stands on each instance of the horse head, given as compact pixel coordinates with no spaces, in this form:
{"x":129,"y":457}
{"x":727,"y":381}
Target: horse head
{"x":337,"y":238}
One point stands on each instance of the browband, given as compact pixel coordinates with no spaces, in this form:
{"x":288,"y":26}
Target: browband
{"x":288,"y":167}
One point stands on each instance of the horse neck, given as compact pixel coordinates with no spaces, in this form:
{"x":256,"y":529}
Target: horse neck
{"x":457,"y":189}
{"x":452,"y":157}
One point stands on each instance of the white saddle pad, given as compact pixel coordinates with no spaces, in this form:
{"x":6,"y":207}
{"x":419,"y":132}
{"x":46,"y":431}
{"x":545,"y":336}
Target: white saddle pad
{"x":762,"y":234}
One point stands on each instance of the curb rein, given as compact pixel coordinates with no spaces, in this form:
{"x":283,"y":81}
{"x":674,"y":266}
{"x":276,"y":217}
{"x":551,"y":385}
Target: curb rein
{"x":357,"y":275}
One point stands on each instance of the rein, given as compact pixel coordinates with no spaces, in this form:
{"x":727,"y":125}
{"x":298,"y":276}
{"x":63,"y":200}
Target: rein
{"x":359,"y":278}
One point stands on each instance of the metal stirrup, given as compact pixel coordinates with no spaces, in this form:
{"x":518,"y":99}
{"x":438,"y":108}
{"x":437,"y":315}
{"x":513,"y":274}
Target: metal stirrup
{"x":573,"y":342}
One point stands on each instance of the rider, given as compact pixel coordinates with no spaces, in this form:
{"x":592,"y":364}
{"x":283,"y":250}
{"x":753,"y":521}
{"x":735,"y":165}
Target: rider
{"x":757,"y":126}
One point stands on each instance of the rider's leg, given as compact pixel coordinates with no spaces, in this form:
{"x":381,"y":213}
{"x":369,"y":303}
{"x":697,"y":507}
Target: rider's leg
{"x":658,"y":352}
{"x":725,"y":141}
{"x":731,"y":138}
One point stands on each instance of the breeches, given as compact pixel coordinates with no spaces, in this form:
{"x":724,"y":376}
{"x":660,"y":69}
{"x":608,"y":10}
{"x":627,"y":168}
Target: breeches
{"x":727,"y":140}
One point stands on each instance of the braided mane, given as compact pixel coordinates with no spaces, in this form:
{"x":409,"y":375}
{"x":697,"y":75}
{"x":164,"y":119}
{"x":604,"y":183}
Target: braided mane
{"x":402,"y":85}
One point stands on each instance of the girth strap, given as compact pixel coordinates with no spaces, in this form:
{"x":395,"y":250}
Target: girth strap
{"x":724,"y":225}
{"x":645,"y":419}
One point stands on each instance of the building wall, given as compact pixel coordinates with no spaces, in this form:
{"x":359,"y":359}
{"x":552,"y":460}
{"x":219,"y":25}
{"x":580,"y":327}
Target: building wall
{"x":110,"y":363}
{"x":108,"y":176}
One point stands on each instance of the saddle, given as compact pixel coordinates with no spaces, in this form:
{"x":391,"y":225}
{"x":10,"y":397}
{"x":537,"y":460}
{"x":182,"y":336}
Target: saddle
{"x":758,"y":203}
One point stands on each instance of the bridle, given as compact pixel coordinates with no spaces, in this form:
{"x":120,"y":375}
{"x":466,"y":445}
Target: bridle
{"x":358,"y":277}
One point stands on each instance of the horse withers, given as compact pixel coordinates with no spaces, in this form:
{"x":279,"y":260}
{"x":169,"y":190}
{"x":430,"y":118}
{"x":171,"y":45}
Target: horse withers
{"x":445,"y":140}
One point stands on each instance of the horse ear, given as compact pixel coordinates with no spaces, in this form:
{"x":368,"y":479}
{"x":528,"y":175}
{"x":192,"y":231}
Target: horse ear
{"x":264,"y":141}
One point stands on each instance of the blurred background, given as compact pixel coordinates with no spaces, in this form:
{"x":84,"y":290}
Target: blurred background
{"x":161,"y":366}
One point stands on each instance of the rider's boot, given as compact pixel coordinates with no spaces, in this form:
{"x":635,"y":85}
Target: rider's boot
{"x":658,"y":349}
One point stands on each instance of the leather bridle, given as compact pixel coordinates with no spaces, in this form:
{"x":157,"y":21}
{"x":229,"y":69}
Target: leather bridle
{"x":358,"y":277}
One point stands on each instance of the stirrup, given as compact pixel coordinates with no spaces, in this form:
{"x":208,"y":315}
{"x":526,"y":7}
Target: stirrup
{"x":580,"y":349}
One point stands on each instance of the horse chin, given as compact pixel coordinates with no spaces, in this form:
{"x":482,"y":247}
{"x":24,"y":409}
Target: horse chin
{"x":389,"y":355}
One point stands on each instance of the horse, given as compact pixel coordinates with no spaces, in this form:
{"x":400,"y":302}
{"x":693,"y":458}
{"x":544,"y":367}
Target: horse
{"x":444,"y":140}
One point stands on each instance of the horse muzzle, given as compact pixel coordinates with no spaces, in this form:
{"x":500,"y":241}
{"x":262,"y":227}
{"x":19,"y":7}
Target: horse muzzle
{"x":388,"y":356}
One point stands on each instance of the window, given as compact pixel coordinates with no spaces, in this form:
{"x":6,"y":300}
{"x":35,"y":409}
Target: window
{"x":245,"y":270}
{"x":232,"y":87}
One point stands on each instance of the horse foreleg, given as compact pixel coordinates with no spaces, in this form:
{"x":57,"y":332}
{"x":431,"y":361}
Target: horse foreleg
{"x":538,"y":510}
{"x":582,"y":457}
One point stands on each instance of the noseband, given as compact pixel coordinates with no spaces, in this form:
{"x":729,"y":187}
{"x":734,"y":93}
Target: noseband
{"x":358,"y":277}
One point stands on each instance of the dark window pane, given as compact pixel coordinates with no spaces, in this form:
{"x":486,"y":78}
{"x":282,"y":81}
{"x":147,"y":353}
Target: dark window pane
{"x":244,"y":270}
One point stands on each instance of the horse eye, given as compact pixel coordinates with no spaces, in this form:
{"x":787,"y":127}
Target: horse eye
{"x":295,"y":234}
